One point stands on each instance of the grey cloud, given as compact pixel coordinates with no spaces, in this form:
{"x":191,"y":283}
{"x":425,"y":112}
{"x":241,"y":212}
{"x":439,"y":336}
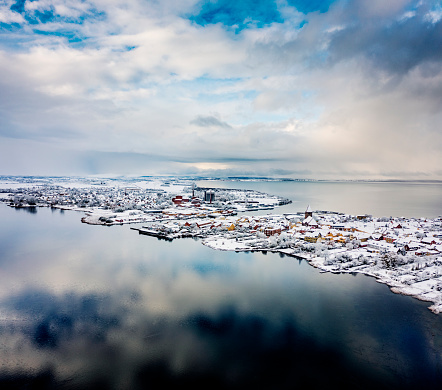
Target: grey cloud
{"x":396,"y":46}
{"x":380,"y":34}
{"x":114,"y":162}
{"x":208,"y":121}
{"x":47,"y":133}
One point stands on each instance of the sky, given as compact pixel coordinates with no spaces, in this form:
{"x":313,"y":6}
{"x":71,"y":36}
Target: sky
{"x":334,"y":89}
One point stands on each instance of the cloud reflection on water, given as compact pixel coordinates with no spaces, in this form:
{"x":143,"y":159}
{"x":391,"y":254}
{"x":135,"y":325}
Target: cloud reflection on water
{"x":105,"y":307}
{"x":84,"y":338}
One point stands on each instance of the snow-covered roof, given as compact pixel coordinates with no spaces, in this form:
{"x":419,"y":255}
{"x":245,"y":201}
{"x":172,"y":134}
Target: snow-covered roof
{"x":310,"y":221}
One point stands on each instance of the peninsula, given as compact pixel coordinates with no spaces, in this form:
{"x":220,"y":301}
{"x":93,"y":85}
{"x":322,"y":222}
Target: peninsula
{"x":404,"y":253}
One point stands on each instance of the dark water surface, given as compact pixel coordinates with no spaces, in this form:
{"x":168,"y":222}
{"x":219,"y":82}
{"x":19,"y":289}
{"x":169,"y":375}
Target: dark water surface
{"x":102,"y":307}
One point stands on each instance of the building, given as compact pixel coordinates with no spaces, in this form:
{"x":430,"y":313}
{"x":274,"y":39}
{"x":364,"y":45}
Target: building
{"x":308,"y":212}
{"x":310,"y":221}
{"x":270,"y":231}
{"x":312,"y":237}
{"x":209,"y":196}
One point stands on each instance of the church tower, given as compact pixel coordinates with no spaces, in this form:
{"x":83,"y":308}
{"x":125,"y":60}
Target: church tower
{"x":308,"y":212}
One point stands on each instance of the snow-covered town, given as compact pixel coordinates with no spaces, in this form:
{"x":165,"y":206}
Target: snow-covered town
{"x":122,"y":200}
{"x":404,"y":253}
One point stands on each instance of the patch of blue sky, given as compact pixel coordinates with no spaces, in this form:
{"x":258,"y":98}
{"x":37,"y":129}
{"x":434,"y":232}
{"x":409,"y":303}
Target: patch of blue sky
{"x":70,"y":36}
{"x":307,"y":6}
{"x":271,"y":117}
{"x":237,"y":14}
{"x":14,"y":38}
{"x":34,"y":17}
{"x":208,"y":87}
{"x":124,"y":49}
{"x":48,"y":15}
{"x":9,"y":27}
{"x":19,"y":6}
{"x":211,"y":84}
{"x":91,"y":16}
{"x":303,"y":23}
{"x":307,"y":94}
{"x":48,"y":24}
{"x":38,"y":17}
{"x":214,"y":98}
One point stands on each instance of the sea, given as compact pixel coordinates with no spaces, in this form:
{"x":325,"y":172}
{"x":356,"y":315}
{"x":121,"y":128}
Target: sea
{"x":99,"y":307}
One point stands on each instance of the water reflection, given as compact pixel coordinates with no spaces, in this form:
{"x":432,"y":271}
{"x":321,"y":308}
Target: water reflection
{"x":52,"y":320}
{"x":227,"y":348}
{"x":28,"y":209}
{"x":91,"y":307}
{"x":89,"y":340}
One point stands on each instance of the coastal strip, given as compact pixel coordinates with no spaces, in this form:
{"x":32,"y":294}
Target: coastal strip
{"x":403,"y":253}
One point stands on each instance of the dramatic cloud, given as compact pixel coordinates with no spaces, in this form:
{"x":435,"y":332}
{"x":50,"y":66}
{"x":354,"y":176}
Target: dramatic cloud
{"x":325,"y":89}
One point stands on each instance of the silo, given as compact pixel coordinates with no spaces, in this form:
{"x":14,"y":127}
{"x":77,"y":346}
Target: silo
{"x":209,"y":196}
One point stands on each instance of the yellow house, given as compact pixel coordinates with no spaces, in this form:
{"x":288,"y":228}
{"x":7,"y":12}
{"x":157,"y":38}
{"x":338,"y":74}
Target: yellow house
{"x":231,"y":227}
{"x":340,"y":240}
{"x":315,"y":237}
{"x":292,"y":225}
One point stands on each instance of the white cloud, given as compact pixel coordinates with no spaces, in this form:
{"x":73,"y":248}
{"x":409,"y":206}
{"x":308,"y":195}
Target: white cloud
{"x":8,"y":16}
{"x":435,"y":15}
{"x":318,"y":99}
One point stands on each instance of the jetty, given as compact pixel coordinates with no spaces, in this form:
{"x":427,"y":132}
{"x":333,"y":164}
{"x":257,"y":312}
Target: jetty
{"x":154,"y":233}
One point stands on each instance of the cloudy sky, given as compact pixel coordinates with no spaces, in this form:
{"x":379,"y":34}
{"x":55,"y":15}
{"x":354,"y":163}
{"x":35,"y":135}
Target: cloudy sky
{"x":289,"y":88}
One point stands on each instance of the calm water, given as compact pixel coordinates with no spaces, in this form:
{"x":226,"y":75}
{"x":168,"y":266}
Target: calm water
{"x":408,"y":199}
{"x":102,"y":307}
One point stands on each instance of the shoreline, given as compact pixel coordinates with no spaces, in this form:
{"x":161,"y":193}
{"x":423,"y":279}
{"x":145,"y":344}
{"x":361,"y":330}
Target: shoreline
{"x":315,"y":262}
{"x":425,"y":294}
{"x":403,"y":253}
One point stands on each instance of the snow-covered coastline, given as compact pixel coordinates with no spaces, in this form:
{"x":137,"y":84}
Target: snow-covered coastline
{"x":401,"y":281}
{"x":407,"y":283}
{"x":403,"y":253}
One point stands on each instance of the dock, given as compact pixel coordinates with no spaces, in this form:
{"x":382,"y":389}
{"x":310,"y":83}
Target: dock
{"x":153,"y":233}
